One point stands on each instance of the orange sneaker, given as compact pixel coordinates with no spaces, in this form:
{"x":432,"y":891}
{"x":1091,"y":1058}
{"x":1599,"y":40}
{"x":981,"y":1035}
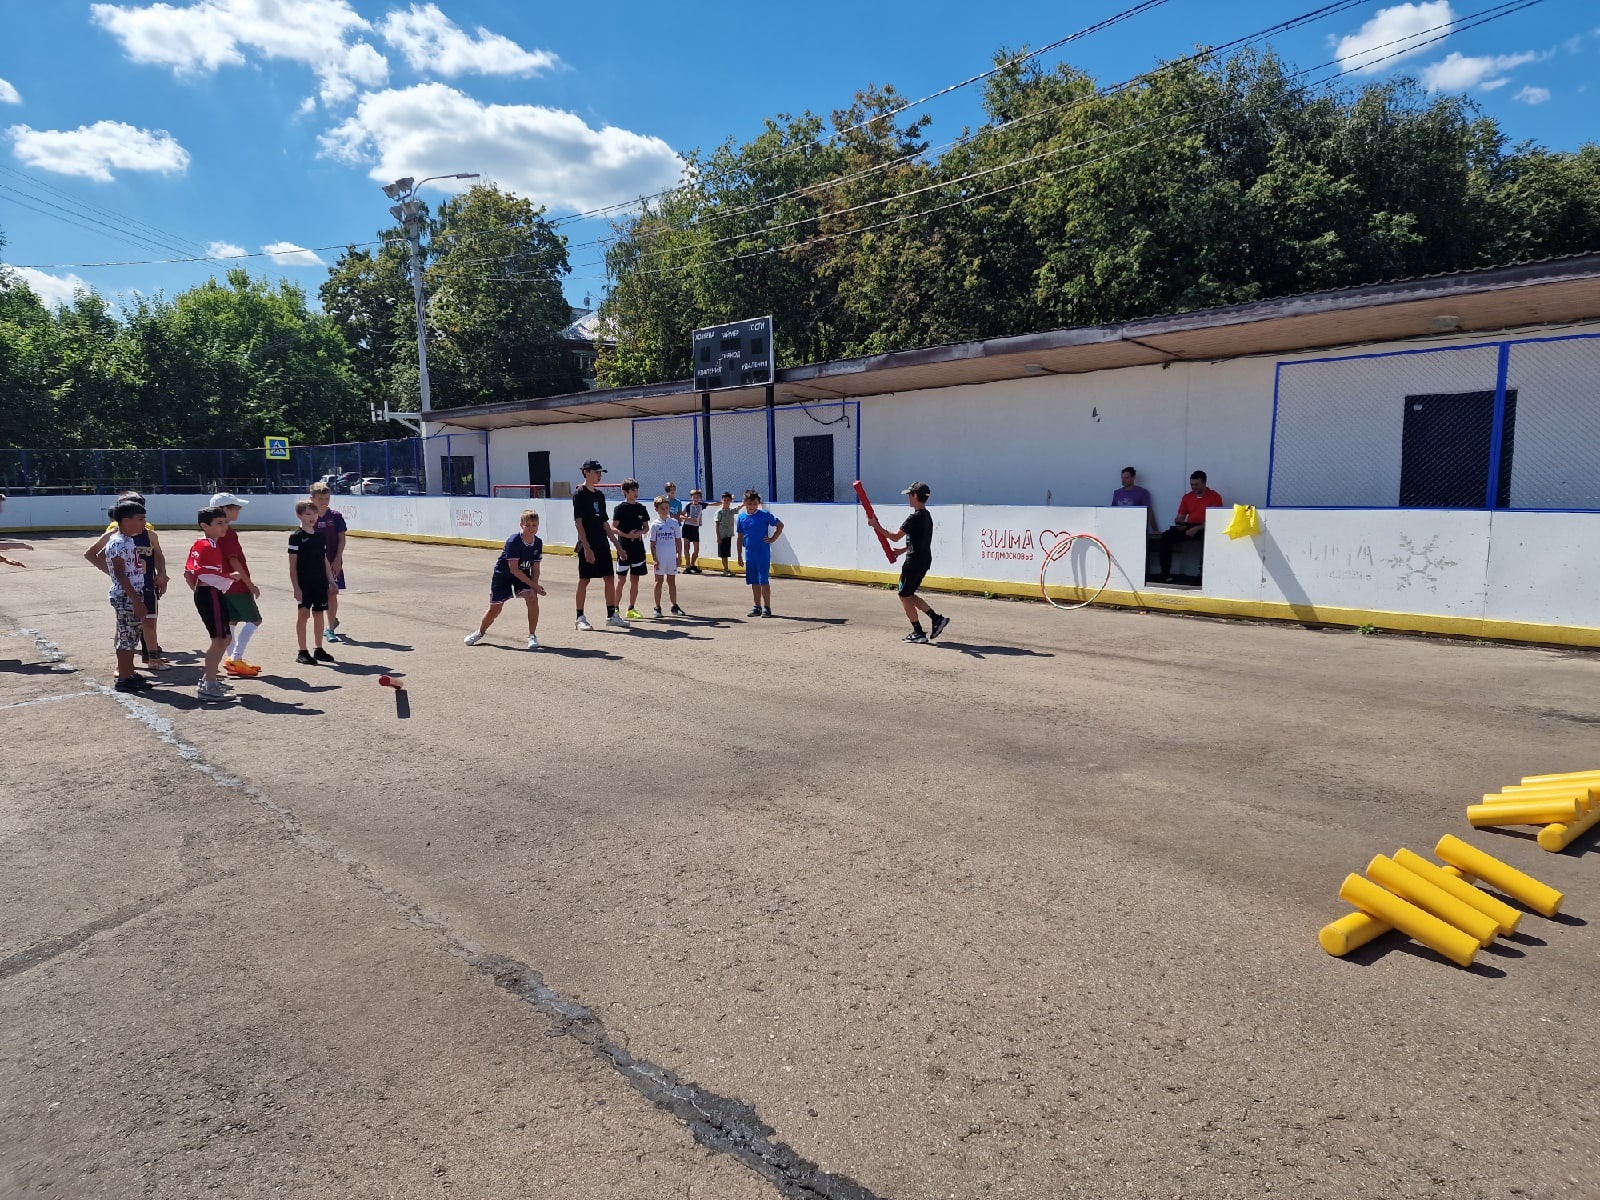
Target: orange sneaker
{"x":240,"y":668}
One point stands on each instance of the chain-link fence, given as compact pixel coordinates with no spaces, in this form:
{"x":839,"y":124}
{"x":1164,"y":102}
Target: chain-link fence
{"x":1485,"y":425}
{"x":456,"y":463}
{"x":796,"y":453}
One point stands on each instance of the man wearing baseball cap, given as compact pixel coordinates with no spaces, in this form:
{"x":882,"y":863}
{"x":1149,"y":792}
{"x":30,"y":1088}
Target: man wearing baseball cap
{"x":595,"y":537}
{"x":240,"y":598}
{"x":917,"y":530}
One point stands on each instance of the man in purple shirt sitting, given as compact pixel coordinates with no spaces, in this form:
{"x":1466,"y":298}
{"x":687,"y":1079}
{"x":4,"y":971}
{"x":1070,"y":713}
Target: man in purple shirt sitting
{"x":1131,"y":495}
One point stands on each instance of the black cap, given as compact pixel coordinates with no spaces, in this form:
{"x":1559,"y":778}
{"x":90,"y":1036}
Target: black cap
{"x":920,"y":490}
{"x":594,"y":465}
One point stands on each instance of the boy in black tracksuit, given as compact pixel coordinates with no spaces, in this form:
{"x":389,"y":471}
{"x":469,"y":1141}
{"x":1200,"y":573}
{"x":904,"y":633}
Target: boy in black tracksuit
{"x":917,"y":530}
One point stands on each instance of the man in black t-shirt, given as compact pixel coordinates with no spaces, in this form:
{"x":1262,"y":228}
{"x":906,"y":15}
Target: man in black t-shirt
{"x":595,"y":536}
{"x":631,"y":519}
{"x":917,"y":531}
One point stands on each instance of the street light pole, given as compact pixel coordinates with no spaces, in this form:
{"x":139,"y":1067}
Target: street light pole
{"x":409,"y":213}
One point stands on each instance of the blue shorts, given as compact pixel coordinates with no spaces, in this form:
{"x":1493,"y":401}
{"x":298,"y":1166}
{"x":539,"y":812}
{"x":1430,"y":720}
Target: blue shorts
{"x":757,"y":574}
{"x":504,"y":587}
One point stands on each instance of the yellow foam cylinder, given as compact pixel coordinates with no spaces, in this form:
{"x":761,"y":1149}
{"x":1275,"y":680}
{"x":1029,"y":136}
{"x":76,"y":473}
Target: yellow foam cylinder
{"x":1350,"y":932}
{"x":1561,"y":791}
{"x":1448,"y":879}
{"x":1454,"y":944}
{"x":1475,"y":863}
{"x":1556,"y":838}
{"x":1523,"y":812}
{"x":1562,"y":777}
{"x":1408,"y":885}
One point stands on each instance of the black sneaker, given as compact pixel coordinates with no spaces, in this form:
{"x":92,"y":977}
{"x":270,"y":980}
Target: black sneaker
{"x":939,"y":624}
{"x":304,"y":658}
{"x":766,"y":612}
{"x":754,"y":612}
{"x":130,"y":684}
{"x":678,"y":612}
{"x":322,"y":655}
{"x":917,"y":637}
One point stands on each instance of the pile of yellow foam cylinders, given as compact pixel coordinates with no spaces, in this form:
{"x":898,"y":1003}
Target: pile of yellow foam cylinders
{"x":1566,"y":805}
{"x":1436,"y":905}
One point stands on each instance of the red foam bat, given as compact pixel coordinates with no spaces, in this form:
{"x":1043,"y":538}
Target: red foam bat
{"x":861,"y":495}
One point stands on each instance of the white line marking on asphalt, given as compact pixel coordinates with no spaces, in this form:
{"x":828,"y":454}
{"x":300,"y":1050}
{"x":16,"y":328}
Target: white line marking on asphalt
{"x":48,"y":699}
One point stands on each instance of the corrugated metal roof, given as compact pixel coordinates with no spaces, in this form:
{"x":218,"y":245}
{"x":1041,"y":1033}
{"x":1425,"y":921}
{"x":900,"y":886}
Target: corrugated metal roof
{"x":1549,"y":292}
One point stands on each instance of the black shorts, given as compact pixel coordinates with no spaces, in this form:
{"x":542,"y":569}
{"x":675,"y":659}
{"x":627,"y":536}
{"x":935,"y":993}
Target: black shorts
{"x":600,"y":568}
{"x":911,"y":575}
{"x":691,"y":533}
{"x":724,"y":547}
{"x":213,"y":612}
{"x":631,"y":558}
{"x":505,"y":587}
{"x":313,"y":597}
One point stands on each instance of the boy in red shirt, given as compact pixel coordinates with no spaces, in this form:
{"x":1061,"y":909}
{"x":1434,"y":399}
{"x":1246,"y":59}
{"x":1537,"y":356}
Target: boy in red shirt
{"x":243,"y":612}
{"x":209,"y":578}
{"x":1191,"y":522}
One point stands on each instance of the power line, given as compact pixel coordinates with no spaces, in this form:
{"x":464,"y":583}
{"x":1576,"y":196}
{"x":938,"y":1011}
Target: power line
{"x":171,"y":241}
{"x":21,"y":200}
{"x":1106,"y":23}
{"x":203,"y":258}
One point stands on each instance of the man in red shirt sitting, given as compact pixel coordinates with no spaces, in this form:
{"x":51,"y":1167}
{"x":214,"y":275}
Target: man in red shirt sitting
{"x":1191,"y":522}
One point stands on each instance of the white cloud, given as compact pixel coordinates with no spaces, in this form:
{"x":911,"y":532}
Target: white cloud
{"x":198,"y":38}
{"x":1457,"y":73}
{"x":1387,"y":36}
{"x":308,"y":106}
{"x":9,"y":93}
{"x":287,"y":254}
{"x":94,"y":150}
{"x":1533,"y":95}
{"x":433,"y":43}
{"x":549,"y":156}
{"x":52,"y":289}
{"x":225,"y":250}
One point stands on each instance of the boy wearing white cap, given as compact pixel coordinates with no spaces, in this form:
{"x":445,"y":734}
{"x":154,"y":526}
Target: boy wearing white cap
{"x":240,"y":598}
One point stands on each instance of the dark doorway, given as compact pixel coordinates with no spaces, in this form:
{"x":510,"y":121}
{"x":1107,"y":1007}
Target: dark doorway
{"x":813,"y":469}
{"x":1444,"y":450}
{"x":539,"y":471}
{"x":457,"y":472}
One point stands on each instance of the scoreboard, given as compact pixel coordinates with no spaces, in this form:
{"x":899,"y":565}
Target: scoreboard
{"x":736,"y":355}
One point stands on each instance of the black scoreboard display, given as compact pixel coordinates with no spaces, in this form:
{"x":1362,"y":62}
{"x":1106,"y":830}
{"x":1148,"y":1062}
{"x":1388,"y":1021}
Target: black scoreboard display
{"x":730,"y":356}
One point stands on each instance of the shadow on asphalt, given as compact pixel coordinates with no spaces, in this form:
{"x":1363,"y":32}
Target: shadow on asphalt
{"x":571,"y":652}
{"x":996,"y":651}
{"x":188,"y":702}
{"x":370,"y":645}
{"x":347,"y":668}
{"x":15,"y":666}
{"x":291,"y":684}
{"x":803,"y":620}
{"x":666,"y":635}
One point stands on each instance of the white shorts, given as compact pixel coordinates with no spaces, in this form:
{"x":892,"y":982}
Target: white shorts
{"x":667,"y":566}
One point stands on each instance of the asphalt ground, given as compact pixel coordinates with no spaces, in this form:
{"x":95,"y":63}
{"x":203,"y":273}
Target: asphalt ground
{"x":729,"y":907}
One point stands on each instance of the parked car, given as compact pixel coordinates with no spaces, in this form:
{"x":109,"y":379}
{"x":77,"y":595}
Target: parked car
{"x":372,"y":485}
{"x":341,"y":481}
{"x":406,"y":485}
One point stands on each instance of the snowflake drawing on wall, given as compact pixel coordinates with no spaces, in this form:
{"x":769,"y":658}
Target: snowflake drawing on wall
{"x":1419,"y":564}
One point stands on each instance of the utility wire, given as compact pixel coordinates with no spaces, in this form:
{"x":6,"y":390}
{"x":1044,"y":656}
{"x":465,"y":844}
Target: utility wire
{"x":172,"y":241}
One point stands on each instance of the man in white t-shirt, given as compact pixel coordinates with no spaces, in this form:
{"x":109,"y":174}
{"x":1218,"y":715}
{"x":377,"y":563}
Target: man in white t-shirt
{"x":666,"y":547}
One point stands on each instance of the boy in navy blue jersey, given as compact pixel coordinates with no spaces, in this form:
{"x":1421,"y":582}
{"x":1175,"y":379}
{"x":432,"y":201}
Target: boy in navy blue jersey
{"x":308,"y":576}
{"x":516,"y":573}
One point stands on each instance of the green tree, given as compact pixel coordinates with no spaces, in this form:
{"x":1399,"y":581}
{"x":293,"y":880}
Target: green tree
{"x":495,"y":305}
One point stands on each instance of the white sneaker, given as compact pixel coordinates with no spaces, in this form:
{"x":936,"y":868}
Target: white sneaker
{"x":212,"y":691}
{"x":533,"y":641}
{"x":473,"y":638}
{"x":584,"y":626}
{"x":618,"y":621}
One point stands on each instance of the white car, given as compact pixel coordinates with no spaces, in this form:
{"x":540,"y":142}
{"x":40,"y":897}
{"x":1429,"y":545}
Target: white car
{"x":372,"y":485}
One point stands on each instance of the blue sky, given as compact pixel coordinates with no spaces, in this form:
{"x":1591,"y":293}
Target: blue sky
{"x":140,"y":131}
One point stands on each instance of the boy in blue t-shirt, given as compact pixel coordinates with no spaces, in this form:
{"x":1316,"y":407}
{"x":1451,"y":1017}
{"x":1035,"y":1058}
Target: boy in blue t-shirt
{"x":758,"y":529}
{"x":516,"y":573}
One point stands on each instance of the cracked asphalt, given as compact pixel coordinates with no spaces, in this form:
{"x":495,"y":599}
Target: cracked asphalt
{"x":741,"y":908}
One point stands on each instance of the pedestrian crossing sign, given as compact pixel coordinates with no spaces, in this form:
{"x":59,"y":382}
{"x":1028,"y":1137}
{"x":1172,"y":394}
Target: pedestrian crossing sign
{"x":278,"y":449}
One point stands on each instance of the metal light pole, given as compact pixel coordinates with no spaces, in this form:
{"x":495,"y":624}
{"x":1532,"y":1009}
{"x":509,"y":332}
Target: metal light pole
{"x":409,"y":213}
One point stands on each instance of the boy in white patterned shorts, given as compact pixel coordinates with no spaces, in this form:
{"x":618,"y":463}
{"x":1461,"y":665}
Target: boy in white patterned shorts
{"x":126,"y":566}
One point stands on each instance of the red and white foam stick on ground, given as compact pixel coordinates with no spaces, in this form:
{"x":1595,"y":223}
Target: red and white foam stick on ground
{"x":861,"y":495}
{"x":391,"y":681}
